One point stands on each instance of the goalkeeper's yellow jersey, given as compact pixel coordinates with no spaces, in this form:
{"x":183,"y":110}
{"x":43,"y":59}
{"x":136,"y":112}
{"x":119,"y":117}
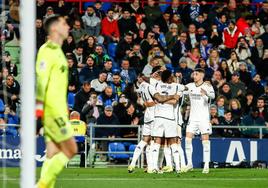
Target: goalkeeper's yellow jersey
{"x":52,"y":80}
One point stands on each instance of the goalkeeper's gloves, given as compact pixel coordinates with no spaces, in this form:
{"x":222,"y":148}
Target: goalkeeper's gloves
{"x":39,"y":113}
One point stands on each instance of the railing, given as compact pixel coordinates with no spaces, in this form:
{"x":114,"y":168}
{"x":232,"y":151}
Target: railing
{"x":92,"y":138}
{"x":143,"y":3}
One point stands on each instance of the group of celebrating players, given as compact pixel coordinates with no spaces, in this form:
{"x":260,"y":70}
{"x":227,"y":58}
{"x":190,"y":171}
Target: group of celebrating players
{"x":162,"y":133}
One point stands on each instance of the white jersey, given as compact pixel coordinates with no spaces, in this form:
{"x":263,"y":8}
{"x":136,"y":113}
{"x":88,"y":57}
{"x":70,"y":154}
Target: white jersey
{"x":178,"y":116}
{"x":146,"y":92}
{"x":166,"y":111}
{"x":199,"y":110}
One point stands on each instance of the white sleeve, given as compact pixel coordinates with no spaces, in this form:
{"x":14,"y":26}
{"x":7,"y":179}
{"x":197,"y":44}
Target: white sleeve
{"x":188,"y":86}
{"x":152,"y":90}
{"x":210,"y":92}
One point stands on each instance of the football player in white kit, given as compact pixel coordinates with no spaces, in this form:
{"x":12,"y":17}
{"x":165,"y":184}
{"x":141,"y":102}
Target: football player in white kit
{"x":148,"y":94}
{"x":200,"y":94}
{"x":164,"y":123}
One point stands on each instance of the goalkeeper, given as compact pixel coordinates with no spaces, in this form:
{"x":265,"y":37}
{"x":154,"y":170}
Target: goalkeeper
{"x":51,"y":99}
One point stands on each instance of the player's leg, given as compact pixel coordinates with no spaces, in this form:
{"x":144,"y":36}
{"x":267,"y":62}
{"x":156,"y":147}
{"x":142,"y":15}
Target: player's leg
{"x":57,"y":158}
{"x":161,"y":154}
{"x":206,"y":152}
{"x":137,"y":152}
{"x":168,"y":158}
{"x":175,"y":153}
{"x":191,"y":129}
{"x":182,"y":157}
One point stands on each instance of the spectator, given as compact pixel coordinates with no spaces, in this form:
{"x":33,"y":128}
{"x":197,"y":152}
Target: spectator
{"x":135,"y":9}
{"x":159,"y":35}
{"x":68,"y":45}
{"x":230,"y":37}
{"x":89,"y":46}
{"x":257,"y":53}
{"x":147,"y":44}
{"x":221,"y":103}
{"x":6,"y":63}
{"x":244,"y":23}
{"x":243,"y":50}
{"x":256,"y":86}
{"x":152,"y":13}
{"x":245,"y":76}
{"x":174,"y":8}
{"x":91,"y":22}
{"x":225,"y":90}
{"x":49,"y":12}
{"x":183,"y":72}
{"x":10,"y":90}
{"x":78,"y":32}
{"x":109,"y":29}
{"x":204,"y":47}
{"x":215,"y":36}
{"x":92,"y":109}
{"x":238,"y":88}
{"x":181,"y":48}
{"x":107,"y":97}
{"x":214,"y":59}
{"x":214,"y":118}
{"x":89,"y":72}
{"x":156,"y":52}
{"x":163,"y":22}
{"x":107,"y":118}
{"x":265,"y":95}
{"x":192,"y":35}
{"x":253,"y":119}
{"x":193,"y":58}
{"x":208,"y":71}
{"x":117,"y":84}
{"x":201,"y":22}
{"x":127,"y":24}
{"x":40,"y":33}
{"x":228,"y":120}
{"x":99,"y":84}
{"x":136,"y":60}
{"x":236,"y":110}
{"x":233,"y":62}
{"x":98,"y":10}
{"x":191,"y":12}
{"x":221,"y":22}
{"x":128,"y":74}
{"x":171,"y":36}
{"x":154,"y":62}
{"x":78,"y":54}
{"x":217,"y":80}
{"x":261,"y":108}
{"x":224,"y":69}
{"x":124,"y":46}
{"x":99,"y":56}
{"x":249,"y":103}
{"x":73,"y":77}
{"x":108,"y":65}
{"x":176,"y":19}
{"x":82,"y":96}
{"x":40,"y":9}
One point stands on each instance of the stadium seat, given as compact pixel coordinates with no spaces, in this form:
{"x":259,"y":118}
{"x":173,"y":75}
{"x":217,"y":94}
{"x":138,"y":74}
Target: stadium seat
{"x":106,"y":6}
{"x":71,"y":99}
{"x":112,"y":49}
{"x":2,"y":106}
{"x":117,"y":147}
{"x":131,"y":149}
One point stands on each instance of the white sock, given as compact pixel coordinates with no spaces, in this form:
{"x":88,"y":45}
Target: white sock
{"x":137,"y":152}
{"x":149,"y":159}
{"x":155,"y":153}
{"x":189,"y":151}
{"x":168,"y":158}
{"x":181,"y":153}
{"x":176,"y":155}
{"x":206,"y":152}
{"x":160,"y":158}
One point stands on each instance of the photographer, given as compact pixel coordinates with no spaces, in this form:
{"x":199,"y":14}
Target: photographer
{"x":156,"y":52}
{"x":136,"y":59}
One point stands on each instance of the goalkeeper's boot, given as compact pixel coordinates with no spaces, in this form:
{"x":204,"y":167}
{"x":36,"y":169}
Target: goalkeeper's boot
{"x":41,"y":185}
{"x":131,"y":169}
{"x":167,"y":169}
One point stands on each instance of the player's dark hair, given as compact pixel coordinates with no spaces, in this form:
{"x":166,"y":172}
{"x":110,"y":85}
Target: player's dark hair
{"x":50,"y":21}
{"x":200,"y":70}
{"x":155,"y":69}
{"x":166,"y":75}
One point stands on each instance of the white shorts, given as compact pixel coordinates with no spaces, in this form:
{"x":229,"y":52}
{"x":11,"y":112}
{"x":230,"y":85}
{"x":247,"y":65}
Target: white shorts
{"x":147,"y":128}
{"x":197,"y":127}
{"x":164,"y":128}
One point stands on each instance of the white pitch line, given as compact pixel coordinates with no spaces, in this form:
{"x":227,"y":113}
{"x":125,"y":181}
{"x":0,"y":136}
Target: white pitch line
{"x":159,"y":179}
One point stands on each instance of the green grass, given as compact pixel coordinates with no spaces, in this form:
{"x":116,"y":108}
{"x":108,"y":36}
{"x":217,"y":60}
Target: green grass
{"x":119,"y":178}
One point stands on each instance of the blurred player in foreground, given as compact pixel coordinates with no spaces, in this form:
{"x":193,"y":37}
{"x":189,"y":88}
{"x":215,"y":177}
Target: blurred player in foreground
{"x":51,"y":102}
{"x":200,"y":94}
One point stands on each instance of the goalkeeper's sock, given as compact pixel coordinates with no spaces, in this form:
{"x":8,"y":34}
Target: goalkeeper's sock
{"x":206,"y":152}
{"x":176,"y":155}
{"x":155,"y":153}
{"x":168,"y":158}
{"x":52,"y":169}
{"x":160,"y":157}
{"x":182,"y":158}
{"x":189,"y":151}
{"x":137,"y":152}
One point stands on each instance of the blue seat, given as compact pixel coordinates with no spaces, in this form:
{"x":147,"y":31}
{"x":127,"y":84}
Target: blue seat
{"x":2,"y":106}
{"x":132,"y":149}
{"x":112,"y":49}
{"x":106,"y":6}
{"x":71,"y":99}
{"x":117,"y":147}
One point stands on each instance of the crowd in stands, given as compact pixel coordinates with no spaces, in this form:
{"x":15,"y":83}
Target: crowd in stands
{"x":110,"y":50}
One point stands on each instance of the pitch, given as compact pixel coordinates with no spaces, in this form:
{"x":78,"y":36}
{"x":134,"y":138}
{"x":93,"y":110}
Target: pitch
{"x":119,"y":178}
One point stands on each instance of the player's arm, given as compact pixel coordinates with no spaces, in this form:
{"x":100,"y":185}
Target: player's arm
{"x":165,"y":98}
{"x":208,"y":92}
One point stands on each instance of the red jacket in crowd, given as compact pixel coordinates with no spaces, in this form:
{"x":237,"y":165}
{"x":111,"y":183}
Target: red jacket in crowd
{"x":109,"y":28}
{"x":230,"y":38}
